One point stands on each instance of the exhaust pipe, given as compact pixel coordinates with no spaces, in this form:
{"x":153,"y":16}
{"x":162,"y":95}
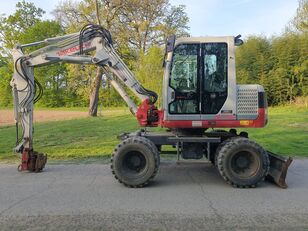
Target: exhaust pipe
{"x":278,"y":169}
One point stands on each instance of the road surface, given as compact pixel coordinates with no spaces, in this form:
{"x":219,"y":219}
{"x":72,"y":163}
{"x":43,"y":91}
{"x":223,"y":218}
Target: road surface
{"x":183,"y":197}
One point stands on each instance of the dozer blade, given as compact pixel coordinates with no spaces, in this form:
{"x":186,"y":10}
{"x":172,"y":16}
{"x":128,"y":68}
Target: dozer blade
{"x":278,"y":169}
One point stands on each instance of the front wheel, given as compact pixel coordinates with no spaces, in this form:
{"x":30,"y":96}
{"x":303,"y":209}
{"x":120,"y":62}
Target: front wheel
{"x":135,"y":161}
{"x":242,"y":162}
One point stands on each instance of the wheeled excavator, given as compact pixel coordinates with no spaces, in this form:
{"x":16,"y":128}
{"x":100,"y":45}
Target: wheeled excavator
{"x":200,"y":101}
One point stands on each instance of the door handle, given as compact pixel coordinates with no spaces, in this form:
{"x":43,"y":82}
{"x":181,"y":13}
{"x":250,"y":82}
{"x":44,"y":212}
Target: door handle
{"x":172,"y":95}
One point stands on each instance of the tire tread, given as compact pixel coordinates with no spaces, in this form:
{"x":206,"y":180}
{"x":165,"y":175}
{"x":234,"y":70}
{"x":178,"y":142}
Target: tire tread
{"x":222,"y":152}
{"x":141,"y":141}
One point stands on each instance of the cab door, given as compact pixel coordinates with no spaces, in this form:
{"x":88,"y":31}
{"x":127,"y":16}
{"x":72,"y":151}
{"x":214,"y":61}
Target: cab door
{"x":214,"y":78}
{"x":184,"y":83}
{"x":199,"y":80}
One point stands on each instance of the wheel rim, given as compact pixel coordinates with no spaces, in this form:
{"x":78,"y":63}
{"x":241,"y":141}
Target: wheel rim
{"x":245,"y":164}
{"x":134,"y":162}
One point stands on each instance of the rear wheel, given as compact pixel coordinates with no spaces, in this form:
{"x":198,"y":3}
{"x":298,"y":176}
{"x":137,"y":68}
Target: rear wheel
{"x":135,"y":161}
{"x":242,"y":162}
{"x":215,"y":147}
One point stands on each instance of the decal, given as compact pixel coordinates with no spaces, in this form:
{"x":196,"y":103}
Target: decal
{"x":226,"y":111}
{"x":73,"y":49}
{"x":245,"y":122}
{"x":196,"y":123}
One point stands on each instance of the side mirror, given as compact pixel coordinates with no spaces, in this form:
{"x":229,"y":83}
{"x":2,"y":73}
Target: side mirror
{"x":238,"y":41}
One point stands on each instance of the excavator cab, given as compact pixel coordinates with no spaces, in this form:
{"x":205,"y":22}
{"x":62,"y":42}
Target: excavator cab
{"x":200,"y":87}
{"x":199,"y":78}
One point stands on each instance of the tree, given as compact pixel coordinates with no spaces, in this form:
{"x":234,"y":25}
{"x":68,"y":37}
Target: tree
{"x":53,"y":78}
{"x":89,"y":11}
{"x":176,"y":22}
{"x":290,"y":51}
{"x":279,"y":64}
{"x":134,"y":24}
{"x":12,"y":28}
{"x":300,"y":21}
{"x":5,"y":88}
{"x":98,"y":77}
{"x":149,"y":69}
{"x":149,"y":23}
{"x":276,"y":86}
{"x":253,"y":59}
{"x":25,"y":25}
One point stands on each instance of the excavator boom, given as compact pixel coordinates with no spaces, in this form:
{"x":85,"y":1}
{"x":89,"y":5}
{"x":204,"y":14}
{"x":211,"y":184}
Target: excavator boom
{"x":74,"y":48}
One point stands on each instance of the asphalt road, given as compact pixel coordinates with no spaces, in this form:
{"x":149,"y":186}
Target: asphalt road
{"x":183,"y":197}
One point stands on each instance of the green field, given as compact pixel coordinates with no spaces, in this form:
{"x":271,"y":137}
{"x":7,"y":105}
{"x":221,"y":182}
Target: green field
{"x":286,"y":133}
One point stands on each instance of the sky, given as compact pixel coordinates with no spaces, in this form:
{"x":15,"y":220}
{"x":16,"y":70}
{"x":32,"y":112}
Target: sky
{"x":214,"y":17}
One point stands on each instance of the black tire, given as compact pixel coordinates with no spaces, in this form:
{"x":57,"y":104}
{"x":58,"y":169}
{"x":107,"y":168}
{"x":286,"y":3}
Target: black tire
{"x":242,"y":162}
{"x":218,"y":151}
{"x":158,"y":148}
{"x":135,"y":161}
{"x":215,"y":147}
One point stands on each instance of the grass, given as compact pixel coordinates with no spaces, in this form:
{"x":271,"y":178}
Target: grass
{"x":91,"y":139}
{"x":78,"y":138}
{"x":286,"y":132}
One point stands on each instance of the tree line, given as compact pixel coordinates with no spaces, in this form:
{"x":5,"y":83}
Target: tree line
{"x":279,"y":63}
{"x":140,"y":29}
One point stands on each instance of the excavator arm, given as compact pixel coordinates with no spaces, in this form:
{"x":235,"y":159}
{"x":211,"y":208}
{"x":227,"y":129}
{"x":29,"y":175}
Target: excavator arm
{"x":93,"y":45}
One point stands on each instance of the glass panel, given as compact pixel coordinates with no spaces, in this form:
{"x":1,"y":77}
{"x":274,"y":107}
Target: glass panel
{"x":184,"y":79}
{"x":214,"y":90}
{"x":184,"y":68}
